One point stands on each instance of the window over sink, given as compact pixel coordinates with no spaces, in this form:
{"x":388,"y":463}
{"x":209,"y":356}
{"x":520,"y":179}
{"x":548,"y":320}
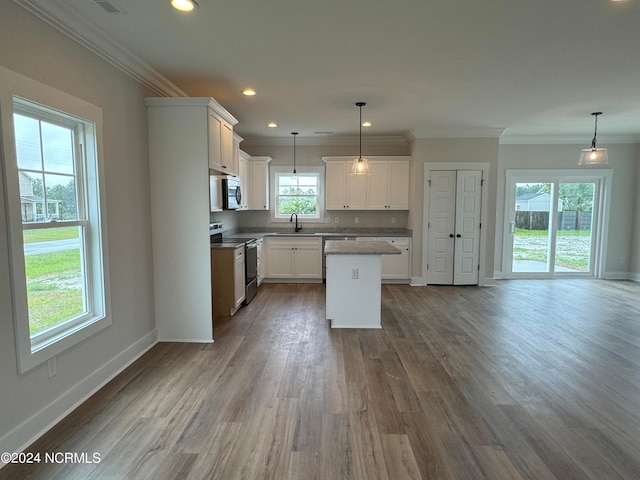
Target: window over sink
{"x":300,"y":193}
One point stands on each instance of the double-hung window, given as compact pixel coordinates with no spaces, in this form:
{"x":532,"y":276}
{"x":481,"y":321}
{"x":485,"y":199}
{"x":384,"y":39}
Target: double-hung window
{"x":55,"y":222}
{"x":299,"y":193}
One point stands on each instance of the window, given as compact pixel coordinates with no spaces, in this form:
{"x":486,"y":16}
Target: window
{"x":299,"y":193}
{"x":55,"y":220}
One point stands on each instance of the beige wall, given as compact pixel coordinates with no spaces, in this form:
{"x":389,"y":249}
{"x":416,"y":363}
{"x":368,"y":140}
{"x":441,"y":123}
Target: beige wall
{"x":453,"y":150}
{"x":32,"y":401}
{"x":623,"y":160}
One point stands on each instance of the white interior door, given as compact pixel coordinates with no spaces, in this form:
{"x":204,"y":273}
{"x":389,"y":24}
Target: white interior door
{"x":442,"y":218}
{"x":455,"y":199}
{"x":467,"y":234}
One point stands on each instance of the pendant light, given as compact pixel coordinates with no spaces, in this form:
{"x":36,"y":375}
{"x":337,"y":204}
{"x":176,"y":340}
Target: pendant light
{"x":360,"y":165}
{"x":593,"y":155}
{"x":294,"y":151}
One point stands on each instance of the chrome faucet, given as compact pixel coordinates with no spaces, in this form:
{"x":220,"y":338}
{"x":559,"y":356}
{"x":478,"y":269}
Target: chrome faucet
{"x":298,"y":228}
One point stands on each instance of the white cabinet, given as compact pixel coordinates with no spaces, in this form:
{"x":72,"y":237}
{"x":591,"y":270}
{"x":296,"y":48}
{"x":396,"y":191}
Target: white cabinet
{"x":244,"y":174}
{"x":344,"y":191}
{"x":220,"y":147}
{"x":258,"y":193}
{"x":215,"y":193}
{"x":388,"y":185}
{"x":395,"y":267}
{"x":386,"y":188}
{"x":180,"y":143}
{"x":227,"y":280}
{"x":298,"y":258}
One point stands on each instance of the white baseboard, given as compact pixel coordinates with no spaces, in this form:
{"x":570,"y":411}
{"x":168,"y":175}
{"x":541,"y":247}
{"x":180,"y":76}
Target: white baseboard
{"x":33,"y":428}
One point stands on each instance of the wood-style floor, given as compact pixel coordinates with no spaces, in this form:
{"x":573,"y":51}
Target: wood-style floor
{"x":527,"y":380}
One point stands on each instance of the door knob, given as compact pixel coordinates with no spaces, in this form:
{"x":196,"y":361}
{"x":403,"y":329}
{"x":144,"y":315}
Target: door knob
{"x":458,"y":235}
{"x":451,"y":235}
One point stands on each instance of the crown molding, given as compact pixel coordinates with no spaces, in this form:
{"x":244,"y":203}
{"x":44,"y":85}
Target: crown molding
{"x":567,"y":139}
{"x":64,"y":19}
{"x":479,"y":132}
{"x":386,"y":140}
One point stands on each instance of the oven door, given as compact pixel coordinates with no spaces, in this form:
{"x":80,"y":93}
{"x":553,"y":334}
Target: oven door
{"x":251,"y":270}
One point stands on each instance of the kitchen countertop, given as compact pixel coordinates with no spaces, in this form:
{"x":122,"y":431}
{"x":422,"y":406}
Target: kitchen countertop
{"x":360,"y":247}
{"x":314,"y":232}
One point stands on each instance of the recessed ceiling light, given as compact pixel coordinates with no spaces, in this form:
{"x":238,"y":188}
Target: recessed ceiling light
{"x":272,"y":124}
{"x":249,"y":92}
{"x":366,"y":123}
{"x":184,"y":5}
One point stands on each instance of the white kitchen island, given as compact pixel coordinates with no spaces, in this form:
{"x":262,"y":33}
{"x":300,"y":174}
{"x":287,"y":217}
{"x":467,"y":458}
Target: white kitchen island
{"x":353,"y":298}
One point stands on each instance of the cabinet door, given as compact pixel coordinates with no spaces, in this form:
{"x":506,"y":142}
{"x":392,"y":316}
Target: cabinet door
{"x":226,"y":148}
{"x":279,"y":260}
{"x":396,"y":266}
{"x":308,"y":260}
{"x":336,"y":186}
{"x":378,"y":185}
{"x":243,"y":175}
{"x":238,"y":276}
{"x":215,"y":152}
{"x":357,"y":191}
{"x":399,"y":185}
{"x":259,"y":197}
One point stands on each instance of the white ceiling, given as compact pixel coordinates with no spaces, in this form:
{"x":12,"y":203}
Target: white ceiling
{"x":428,"y":68}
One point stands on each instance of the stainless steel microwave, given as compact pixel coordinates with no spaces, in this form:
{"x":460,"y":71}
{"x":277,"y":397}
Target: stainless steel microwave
{"x":231,"y":193}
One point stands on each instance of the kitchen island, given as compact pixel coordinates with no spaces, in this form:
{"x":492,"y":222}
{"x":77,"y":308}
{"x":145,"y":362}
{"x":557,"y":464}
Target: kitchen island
{"x":353,"y":298}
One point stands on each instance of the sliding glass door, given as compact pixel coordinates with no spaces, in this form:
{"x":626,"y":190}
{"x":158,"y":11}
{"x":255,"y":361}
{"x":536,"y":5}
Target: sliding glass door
{"x":551,"y":223}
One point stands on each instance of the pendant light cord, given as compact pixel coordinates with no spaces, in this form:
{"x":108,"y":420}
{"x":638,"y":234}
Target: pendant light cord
{"x":595,"y":130}
{"x":294,"y":150}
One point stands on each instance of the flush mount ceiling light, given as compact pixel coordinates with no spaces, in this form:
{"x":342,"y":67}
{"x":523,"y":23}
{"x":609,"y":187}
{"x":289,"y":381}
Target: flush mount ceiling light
{"x":272,"y":124}
{"x":360,"y":165}
{"x":184,"y":5}
{"x":294,"y":151}
{"x":593,"y":155}
{"x":249,"y":92}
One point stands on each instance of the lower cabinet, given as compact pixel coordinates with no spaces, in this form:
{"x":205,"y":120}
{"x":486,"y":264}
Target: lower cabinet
{"x":395,"y":267}
{"x":228,"y":280}
{"x":297,"y":258}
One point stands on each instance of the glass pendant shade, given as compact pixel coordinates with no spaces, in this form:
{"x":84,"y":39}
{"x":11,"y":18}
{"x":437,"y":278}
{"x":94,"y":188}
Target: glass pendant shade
{"x":360,"y":166}
{"x":593,"y":156}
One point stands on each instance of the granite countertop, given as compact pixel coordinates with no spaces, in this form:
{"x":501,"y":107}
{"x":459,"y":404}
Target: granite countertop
{"x":359,"y":247}
{"x":231,"y":245}
{"x":316,"y":232}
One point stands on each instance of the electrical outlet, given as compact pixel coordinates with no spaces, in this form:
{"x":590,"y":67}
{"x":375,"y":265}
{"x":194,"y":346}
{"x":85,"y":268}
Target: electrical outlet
{"x":327,"y":219}
{"x":354,"y":273}
{"x":622,"y":260}
{"x":336,"y":219}
{"x":52,"y":366}
{"x":393,"y":219}
{"x":357,"y":219}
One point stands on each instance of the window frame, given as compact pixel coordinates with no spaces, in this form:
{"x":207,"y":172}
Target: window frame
{"x":16,"y":92}
{"x":276,"y":172}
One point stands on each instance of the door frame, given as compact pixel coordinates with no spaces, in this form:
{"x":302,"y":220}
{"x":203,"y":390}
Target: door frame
{"x":477,"y":166}
{"x":600,"y":222}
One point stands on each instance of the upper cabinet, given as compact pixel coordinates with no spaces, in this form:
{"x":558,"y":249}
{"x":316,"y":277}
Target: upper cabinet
{"x":258,"y":192}
{"x":222,"y":145}
{"x":344,"y":191}
{"x":386,"y":188}
{"x":388,"y":185}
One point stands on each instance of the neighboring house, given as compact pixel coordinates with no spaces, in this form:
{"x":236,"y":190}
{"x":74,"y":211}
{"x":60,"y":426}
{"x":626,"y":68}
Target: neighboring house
{"x":32,"y":206}
{"x":535,"y":202}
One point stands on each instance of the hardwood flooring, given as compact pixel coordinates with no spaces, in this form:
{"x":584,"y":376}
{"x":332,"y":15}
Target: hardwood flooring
{"x":526,"y":380}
